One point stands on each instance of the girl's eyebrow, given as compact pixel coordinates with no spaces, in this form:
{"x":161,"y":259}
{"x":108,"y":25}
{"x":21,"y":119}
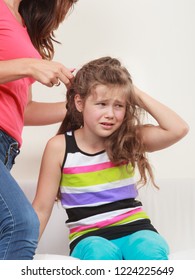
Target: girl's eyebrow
{"x":107,"y":100}
{"x":119,"y":101}
{"x":100,"y":99}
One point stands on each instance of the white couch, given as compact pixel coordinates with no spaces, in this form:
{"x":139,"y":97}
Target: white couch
{"x":171,"y":209}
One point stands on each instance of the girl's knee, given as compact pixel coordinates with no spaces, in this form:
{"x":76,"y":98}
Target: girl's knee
{"x":96,"y":248}
{"x":146,"y":245}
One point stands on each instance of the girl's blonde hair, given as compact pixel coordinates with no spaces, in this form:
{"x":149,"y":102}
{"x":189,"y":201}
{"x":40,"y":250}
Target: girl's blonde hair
{"x":125,"y":144}
{"x":42,"y":18}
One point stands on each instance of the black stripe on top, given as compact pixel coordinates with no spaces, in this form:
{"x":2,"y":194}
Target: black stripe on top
{"x":78,"y":213}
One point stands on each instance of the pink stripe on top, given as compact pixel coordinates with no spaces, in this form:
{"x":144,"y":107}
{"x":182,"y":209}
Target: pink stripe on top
{"x":107,"y":222}
{"x":89,"y":168}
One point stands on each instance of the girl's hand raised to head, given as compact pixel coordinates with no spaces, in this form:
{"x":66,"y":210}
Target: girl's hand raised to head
{"x":170,"y":127}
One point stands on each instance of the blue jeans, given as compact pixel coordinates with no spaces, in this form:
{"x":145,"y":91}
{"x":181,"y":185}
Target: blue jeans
{"x":141,"y":245}
{"x":19,"y":224}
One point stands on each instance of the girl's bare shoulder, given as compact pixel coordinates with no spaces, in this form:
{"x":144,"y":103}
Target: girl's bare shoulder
{"x":57,"y":143}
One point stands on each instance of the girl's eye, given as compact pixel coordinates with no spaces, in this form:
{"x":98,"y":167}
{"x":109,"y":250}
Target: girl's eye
{"x":101,"y":104}
{"x":119,"y":105}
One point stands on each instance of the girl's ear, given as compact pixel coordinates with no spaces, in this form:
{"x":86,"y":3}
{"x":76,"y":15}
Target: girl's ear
{"x":78,"y":102}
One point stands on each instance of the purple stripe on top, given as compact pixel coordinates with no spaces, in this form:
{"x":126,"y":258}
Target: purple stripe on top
{"x":105,"y":196}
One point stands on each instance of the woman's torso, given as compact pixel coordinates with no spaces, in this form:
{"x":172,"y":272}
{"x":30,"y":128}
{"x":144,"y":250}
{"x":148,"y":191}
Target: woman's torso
{"x":14,"y":43}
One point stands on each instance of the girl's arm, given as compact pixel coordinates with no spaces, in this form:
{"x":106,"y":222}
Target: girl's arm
{"x":40,"y":113}
{"x":49,"y":179}
{"x":170,"y":129}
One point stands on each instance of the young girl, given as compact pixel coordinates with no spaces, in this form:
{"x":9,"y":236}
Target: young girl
{"x":90,"y":165}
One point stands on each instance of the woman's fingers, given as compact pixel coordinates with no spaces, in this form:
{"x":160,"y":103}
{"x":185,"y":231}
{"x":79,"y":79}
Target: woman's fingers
{"x":51,"y":73}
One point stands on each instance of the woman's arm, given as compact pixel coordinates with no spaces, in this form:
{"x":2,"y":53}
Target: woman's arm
{"x":49,"y":179}
{"x":40,"y":113}
{"x":11,"y":70}
{"x":170,"y":129}
{"x":46,"y":72}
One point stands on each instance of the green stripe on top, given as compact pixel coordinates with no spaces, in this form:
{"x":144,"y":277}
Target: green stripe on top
{"x":98,"y":177}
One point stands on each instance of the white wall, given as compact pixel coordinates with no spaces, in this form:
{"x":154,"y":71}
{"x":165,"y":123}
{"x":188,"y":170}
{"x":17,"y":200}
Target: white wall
{"x":155,"y":40}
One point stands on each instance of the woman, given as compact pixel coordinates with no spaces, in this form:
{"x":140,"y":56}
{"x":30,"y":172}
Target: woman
{"x":26,"y":50}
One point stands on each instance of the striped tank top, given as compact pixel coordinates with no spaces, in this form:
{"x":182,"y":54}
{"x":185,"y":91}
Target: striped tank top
{"x":99,"y":196}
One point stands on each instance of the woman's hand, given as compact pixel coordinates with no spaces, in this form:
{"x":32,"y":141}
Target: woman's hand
{"x":46,"y":72}
{"x":50,"y":73}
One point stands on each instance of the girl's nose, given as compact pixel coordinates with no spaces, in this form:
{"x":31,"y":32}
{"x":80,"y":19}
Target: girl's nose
{"x":109,"y":113}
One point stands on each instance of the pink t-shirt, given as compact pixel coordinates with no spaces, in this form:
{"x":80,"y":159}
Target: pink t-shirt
{"x":14,"y":43}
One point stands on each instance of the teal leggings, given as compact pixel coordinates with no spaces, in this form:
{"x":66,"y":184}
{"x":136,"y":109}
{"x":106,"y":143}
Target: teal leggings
{"x":141,"y":245}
